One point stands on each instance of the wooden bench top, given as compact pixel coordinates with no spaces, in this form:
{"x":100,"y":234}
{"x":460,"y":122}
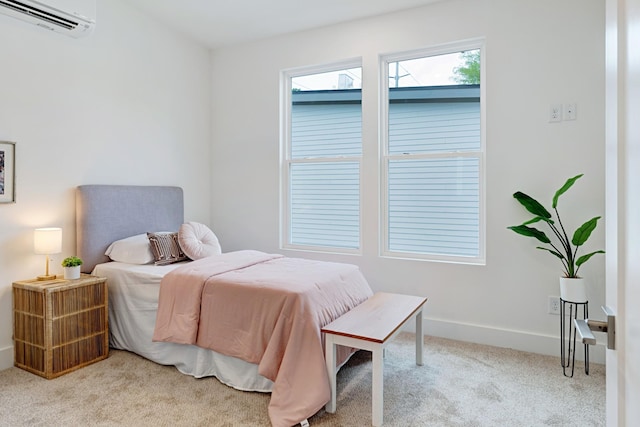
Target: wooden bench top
{"x":377,"y":318}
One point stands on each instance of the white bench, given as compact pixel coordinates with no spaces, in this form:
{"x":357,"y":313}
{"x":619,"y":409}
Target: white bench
{"x":371,"y":326}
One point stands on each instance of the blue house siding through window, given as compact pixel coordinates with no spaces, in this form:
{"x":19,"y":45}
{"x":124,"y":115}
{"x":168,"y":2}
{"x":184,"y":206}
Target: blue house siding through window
{"x":433,"y":200}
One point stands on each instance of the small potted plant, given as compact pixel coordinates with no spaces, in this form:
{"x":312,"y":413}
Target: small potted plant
{"x":71,"y":267}
{"x":571,"y":285}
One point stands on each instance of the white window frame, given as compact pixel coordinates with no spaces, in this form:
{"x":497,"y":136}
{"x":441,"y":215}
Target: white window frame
{"x":286,"y":161}
{"x":384,"y":61}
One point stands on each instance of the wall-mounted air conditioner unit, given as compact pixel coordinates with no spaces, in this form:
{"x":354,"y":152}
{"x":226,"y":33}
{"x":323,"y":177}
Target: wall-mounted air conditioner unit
{"x":75,"y":18}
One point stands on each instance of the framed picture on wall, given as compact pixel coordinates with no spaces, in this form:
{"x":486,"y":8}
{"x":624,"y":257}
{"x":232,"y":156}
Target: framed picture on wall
{"x":7,"y":172}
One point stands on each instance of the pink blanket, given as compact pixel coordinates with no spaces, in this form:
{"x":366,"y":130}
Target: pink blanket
{"x":265,"y":309}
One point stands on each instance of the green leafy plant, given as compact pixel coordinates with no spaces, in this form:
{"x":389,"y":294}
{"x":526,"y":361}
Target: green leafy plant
{"x":566,"y":250}
{"x":469,"y":73}
{"x":72,"y":261}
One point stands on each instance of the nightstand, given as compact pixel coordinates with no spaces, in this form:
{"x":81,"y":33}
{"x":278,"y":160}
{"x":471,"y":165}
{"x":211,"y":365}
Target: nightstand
{"x":60,"y":325}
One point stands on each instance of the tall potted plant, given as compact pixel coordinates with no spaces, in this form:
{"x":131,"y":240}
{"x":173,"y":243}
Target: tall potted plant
{"x":571,"y":285}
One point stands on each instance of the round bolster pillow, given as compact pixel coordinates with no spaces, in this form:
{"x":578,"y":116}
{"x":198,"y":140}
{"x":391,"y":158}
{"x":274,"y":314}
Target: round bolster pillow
{"x":198,"y":241}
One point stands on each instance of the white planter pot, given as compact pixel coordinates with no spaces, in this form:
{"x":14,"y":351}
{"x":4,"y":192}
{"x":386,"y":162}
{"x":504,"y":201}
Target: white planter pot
{"x":573,"y":289}
{"x":71,"y":273}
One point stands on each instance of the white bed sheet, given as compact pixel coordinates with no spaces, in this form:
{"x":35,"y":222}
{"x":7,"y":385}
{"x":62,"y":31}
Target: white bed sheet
{"x":133,"y":303}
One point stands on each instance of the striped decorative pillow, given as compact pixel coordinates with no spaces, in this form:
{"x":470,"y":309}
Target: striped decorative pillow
{"x":165,"y":248}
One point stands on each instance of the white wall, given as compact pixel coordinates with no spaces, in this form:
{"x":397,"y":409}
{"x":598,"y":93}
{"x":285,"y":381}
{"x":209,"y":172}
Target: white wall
{"x":118,"y":106}
{"x":537,"y":53}
{"x":128,"y":105}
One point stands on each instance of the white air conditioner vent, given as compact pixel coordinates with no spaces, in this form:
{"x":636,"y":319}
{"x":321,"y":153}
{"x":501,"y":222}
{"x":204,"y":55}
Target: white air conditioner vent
{"x":61,"y":16}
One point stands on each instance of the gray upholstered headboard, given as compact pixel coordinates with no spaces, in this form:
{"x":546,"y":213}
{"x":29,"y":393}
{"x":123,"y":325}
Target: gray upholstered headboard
{"x":105,"y":213}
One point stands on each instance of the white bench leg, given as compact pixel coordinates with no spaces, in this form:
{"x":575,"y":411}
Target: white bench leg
{"x":330,"y":358}
{"x":377,"y":386}
{"x":419,"y":338}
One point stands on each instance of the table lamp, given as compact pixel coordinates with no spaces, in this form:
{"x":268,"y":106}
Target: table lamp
{"x":47,"y":241}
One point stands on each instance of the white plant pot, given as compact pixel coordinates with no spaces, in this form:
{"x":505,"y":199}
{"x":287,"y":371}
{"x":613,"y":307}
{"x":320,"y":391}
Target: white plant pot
{"x":573,"y":289}
{"x":71,"y":273}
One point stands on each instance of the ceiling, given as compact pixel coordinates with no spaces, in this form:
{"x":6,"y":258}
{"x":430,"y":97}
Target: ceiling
{"x":218,"y":23}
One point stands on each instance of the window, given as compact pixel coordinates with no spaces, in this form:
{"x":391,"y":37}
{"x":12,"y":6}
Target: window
{"x":322,"y":158}
{"x":432,"y":155}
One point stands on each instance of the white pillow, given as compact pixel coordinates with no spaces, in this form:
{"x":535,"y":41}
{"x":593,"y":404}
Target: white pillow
{"x":198,"y":241}
{"x":132,"y":250}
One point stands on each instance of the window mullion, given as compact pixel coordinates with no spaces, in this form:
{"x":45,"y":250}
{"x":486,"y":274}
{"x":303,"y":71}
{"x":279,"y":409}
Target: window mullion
{"x":433,"y":155}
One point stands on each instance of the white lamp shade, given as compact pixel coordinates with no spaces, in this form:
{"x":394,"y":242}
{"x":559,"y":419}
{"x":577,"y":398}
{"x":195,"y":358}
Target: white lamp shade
{"x":47,"y":241}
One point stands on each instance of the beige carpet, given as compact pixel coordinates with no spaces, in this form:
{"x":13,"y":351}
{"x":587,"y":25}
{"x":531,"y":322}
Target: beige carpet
{"x":461,"y":384}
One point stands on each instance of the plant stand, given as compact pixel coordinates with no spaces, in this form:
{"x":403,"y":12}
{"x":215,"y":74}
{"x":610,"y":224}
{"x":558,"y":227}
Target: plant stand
{"x":568,"y":350}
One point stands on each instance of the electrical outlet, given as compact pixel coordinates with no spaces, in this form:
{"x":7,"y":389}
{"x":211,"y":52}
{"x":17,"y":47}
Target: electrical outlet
{"x":555,"y":113}
{"x":554,"y":305}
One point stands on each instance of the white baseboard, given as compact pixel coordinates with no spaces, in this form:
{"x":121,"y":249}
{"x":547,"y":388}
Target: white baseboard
{"x":517,"y":340}
{"x":6,"y":358}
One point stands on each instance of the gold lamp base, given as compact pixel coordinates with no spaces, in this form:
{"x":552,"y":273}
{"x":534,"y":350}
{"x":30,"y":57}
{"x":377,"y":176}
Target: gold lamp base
{"x":46,"y":275}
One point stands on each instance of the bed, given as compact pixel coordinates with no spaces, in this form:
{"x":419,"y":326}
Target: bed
{"x":107,"y":213}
